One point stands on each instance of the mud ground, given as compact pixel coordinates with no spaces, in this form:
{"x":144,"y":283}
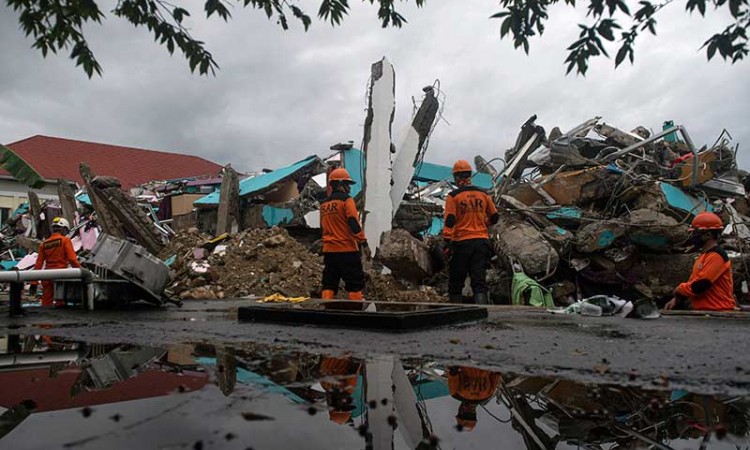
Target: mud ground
{"x":701,"y":354}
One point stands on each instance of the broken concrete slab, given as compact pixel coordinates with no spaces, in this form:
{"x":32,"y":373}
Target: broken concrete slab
{"x":597,"y":236}
{"x":405,"y":255}
{"x":654,"y":230}
{"x":413,"y":146}
{"x":514,"y":238}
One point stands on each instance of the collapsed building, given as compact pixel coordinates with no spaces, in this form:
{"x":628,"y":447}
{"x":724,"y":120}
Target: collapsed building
{"x":589,"y":211}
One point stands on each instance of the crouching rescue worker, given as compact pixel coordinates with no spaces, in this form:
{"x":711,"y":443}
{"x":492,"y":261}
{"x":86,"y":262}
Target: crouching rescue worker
{"x":472,"y":387}
{"x":342,"y":239}
{"x":468,"y":213}
{"x":56,"y":252}
{"x":710,"y":286}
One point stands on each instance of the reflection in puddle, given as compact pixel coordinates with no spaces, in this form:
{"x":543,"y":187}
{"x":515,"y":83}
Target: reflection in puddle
{"x":77,"y":395}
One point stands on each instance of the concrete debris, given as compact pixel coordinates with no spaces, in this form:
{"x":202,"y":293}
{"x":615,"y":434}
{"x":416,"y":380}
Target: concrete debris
{"x":405,"y":255}
{"x":378,"y":146}
{"x":228,"y":220}
{"x":260,"y":263}
{"x":514,"y":238}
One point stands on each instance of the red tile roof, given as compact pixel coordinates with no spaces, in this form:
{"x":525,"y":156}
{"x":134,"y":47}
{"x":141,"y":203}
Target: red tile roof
{"x":55,"y":158}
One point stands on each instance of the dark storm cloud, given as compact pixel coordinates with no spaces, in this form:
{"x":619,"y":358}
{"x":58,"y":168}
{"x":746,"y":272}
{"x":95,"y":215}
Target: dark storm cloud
{"x":281,"y":96}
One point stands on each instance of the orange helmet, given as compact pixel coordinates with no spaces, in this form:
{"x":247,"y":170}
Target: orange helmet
{"x":707,"y":221}
{"x":340,"y":174}
{"x":461,"y":166}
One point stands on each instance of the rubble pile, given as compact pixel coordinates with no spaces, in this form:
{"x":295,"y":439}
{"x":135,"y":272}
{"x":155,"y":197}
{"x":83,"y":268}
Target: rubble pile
{"x":387,"y":288}
{"x":602,"y":211}
{"x":255,"y":262}
{"x":259,"y":262}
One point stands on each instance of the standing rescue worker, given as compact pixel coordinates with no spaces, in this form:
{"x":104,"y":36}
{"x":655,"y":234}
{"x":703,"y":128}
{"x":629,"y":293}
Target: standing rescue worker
{"x":339,"y":379}
{"x":468,"y":213}
{"x":342,"y":239}
{"x":710,"y":286}
{"x":56,"y":252}
{"x":472,"y":387}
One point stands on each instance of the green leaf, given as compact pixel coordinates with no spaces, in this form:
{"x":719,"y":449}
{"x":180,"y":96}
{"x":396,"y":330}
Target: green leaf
{"x":621,"y":54}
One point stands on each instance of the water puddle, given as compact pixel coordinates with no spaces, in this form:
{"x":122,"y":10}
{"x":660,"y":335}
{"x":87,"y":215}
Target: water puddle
{"x":56,"y":393}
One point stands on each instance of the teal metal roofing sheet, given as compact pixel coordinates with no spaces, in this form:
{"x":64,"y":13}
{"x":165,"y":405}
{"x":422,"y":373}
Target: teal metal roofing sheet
{"x":435,"y":172}
{"x":249,"y":186}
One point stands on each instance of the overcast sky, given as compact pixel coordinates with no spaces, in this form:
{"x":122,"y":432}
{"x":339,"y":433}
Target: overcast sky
{"x":281,"y":96}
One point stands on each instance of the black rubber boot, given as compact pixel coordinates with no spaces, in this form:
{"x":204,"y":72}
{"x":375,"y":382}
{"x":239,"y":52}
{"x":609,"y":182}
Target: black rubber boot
{"x":481,"y":299}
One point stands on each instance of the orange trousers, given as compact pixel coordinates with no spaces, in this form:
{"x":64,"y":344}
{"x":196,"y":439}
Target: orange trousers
{"x":48,"y":293}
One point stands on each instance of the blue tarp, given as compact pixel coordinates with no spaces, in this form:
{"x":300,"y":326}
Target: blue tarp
{"x":249,"y":186}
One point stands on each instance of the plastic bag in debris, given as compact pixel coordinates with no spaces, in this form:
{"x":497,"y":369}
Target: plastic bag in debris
{"x":278,"y":298}
{"x":599,"y":305}
{"x":526,"y":290}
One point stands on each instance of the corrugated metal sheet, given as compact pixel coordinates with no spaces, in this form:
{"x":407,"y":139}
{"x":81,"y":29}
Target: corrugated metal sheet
{"x":249,"y":186}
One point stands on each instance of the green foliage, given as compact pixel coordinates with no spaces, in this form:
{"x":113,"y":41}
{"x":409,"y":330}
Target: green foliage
{"x":58,"y":24}
{"x":523,"y":19}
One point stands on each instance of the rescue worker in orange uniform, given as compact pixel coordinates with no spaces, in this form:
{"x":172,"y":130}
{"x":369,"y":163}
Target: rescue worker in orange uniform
{"x":472,"y":387}
{"x":56,"y":252}
{"x":468,"y":213}
{"x":343,"y":238}
{"x":339,"y":381}
{"x":710,"y":286}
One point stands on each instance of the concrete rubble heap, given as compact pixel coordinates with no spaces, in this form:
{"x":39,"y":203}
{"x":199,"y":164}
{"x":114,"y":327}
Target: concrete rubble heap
{"x":259,"y":262}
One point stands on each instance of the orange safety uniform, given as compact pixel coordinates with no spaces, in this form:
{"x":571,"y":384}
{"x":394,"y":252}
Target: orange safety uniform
{"x":471,"y":384}
{"x":342,"y":236}
{"x":472,"y":387}
{"x":56,"y":252}
{"x":710,"y":286}
{"x":339,"y":221}
{"x":344,"y":373}
{"x":468,"y":213}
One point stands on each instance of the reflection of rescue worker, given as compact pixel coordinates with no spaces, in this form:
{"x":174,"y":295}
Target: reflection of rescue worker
{"x":339,"y":381}
{"x":468,"y":213}
{"x":56,"y":252}
{"x":342,"y":238}
{"x":710,"y":286}
{"x":472,"y":387}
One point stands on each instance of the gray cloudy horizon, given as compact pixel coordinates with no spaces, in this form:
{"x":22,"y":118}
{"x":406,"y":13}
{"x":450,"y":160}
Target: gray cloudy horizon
{"x":283,"y":95}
